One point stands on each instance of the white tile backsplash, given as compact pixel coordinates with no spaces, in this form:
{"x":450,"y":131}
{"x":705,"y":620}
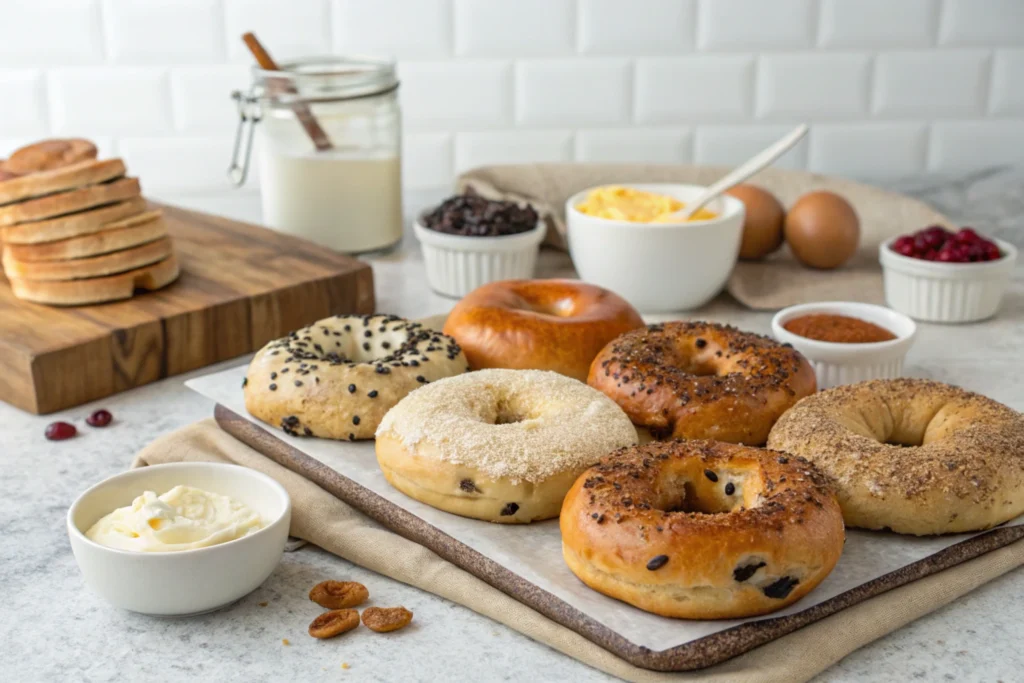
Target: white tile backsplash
{"x":568,"y":92}
{"x":514,"y":28}
{"x":637,"y":27}
{"x":890,"y":87}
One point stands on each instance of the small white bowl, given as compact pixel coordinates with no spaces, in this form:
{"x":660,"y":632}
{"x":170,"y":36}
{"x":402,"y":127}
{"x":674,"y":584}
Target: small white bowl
{"x":836,"y":364}
{"x":458,"y":264}
{"x":188,"y":581}
{"x":945,"y":292}
{"x":658,"y":267}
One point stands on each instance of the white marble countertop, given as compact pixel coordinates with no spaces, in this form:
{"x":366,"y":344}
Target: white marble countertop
{"x":53,"y":629}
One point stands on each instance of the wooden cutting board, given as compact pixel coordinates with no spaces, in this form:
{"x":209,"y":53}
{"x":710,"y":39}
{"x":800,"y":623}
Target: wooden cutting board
{"x":241,"y":285}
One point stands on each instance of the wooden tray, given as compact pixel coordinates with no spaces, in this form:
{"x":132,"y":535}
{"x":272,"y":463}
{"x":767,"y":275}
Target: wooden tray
{"x":241,"y":286}
{"x":696,"y":654}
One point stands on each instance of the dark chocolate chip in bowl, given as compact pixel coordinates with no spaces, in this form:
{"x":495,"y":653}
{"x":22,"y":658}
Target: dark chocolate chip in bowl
{"x":657,"y":562}
{"x":509,"y":509}
{"x":781,"y":588}
{"x":730,"y":489}
{"x":710,"y":475}
{"x":744,"y":572}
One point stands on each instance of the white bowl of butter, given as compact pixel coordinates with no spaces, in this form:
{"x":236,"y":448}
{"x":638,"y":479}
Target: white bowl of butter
{"x":179,"y":539}
{"x":620,"y":238}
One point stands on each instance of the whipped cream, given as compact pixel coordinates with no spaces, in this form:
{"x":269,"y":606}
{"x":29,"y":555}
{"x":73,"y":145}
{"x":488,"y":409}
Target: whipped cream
{"x":184,"y":518}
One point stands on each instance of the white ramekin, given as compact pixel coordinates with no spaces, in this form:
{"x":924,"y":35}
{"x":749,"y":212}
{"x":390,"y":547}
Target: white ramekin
{"x":836,"y":364}
{"x":458,"y":264}
{"x":188,"y":581}
{"x":945,"y":292}
{"x":658,"y":267}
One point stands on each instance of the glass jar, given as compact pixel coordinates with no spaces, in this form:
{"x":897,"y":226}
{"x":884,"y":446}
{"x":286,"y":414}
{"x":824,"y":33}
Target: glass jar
{"x":329,"y":150}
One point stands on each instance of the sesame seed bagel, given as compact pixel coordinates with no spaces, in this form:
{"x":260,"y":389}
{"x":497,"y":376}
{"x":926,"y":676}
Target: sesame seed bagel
{"x":337,"y":378}
{"x":912,"y":455}
{"x":702,"y":529}
{"x":698,"y":380}
{"x":498,"y":445}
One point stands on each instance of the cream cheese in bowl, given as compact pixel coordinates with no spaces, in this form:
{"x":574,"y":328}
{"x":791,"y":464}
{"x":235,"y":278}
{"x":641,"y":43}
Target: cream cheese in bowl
{"x":184,"y":518}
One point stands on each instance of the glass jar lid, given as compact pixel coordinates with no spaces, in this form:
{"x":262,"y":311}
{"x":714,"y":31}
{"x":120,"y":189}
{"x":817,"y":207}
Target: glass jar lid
{"x":324,"y":79}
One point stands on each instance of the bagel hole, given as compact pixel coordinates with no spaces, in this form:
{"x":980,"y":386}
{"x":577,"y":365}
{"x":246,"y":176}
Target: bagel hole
{"x":507,"y":418}
{"x":681,"y":495}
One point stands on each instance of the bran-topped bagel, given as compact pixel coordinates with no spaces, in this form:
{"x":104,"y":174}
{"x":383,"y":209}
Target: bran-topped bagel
{"x":338,"y":377}
{"x":498,"y":445}
{"x":912,"y":455}
{"x":698,"y":380}
{"x":702,"y":529}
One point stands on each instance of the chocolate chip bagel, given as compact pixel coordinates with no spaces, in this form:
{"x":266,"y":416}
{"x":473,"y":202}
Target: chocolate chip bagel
{"x":698,"y":380}
{"x":912,"y":455}
{"x":338,"y":377}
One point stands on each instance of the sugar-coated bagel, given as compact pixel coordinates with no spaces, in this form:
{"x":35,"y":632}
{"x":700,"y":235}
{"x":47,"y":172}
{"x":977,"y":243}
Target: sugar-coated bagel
{"x":557,"y":325}
{"x":338,"y":377}
{"x":498,"y":445}
{"x":702,"y":529}
{"x":912,"y":455}
{"x":698,"y":380}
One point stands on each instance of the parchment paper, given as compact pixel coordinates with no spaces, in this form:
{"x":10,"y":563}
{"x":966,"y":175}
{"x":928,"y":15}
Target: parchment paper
{"x":533,"y":551}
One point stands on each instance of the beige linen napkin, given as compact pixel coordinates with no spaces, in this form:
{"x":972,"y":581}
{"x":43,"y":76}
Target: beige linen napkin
{"x":766,"y":285}
{"x":320,"y":518}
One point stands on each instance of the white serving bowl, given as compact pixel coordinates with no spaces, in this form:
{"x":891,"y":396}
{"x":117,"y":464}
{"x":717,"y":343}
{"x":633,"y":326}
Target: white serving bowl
{"x":836,"y":364}
{"x":945,"y":292}
{"x":187,"y":581}
{"x":658,"y":267}
{"x":458,"y":264}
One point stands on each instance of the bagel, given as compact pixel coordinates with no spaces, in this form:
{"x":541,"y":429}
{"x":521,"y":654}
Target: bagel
{"x":498,"y":445}
{"x":97,"y":290}
{"x":49,"y":154}
{"x":912,"y":455}
{"x":338,"y":377}
{"x":556,"y":325}
{"x":702,"y":529}
{"x":93,"y":266}
{"x":698,"y":380}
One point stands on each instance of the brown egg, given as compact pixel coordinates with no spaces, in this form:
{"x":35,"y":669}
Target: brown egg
{"x":762,"y":227}
{"x":822,"y":230}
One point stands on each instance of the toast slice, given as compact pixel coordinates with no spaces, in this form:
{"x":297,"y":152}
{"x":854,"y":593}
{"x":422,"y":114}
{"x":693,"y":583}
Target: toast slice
{"x":99,"y":289}
{"x":42,"y":183}
{"x":94,"y":266}
{"x":121,"y":214}
{"x":131,"y":232}
{"x":69,"y":202}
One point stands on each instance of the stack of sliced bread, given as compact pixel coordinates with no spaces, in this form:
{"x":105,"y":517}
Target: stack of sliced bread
{"x":75,"y":230}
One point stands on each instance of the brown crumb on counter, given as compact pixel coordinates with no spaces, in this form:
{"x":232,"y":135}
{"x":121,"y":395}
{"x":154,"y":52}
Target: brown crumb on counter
{"x":263,"y":604}
{"x":286,"y":642}
{"x":344,"y":665}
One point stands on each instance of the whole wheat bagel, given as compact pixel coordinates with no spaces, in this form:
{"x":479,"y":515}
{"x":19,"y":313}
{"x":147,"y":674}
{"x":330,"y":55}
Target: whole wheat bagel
{"x":97,"y":289}
{"x":49,"y":154}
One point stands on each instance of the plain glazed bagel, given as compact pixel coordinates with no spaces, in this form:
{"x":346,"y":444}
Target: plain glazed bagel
{"x":337,"y":378}
{"x":498,"y":445}
{"x":912,"y":455}
{"x":697,"y":380}
{"x":556,"y":325}
{"x":702,"y":529}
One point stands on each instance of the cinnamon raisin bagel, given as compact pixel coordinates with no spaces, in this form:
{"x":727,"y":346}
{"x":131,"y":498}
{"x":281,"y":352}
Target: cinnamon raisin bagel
{"x":702,"y":529}
{"x":912,"y":455}
{"x":698,"y":380}
{"x":557,"y":325}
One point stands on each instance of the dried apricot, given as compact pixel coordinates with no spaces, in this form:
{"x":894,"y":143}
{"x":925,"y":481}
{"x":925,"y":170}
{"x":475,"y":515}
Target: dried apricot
{"x":334,"y":623}
{"x":384,"y":619}
{"x":339,"y":594}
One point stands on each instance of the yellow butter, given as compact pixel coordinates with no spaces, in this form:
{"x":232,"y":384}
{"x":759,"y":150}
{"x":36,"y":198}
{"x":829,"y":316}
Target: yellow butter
{"x":636,"y":206}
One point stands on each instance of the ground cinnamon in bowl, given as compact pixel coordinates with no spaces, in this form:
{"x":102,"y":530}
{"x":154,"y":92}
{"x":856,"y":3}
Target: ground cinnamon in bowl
{"x":839,"y":329}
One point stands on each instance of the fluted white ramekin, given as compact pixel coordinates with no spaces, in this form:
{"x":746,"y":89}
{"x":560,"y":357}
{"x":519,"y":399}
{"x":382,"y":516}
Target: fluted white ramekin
{"x":945,"y":292}
{"x":835,"y":364}
{"x":458,"y":264}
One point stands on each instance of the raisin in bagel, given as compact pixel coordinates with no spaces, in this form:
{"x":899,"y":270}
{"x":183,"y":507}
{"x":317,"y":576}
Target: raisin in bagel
{"x":912,"y":455}
{"x":702,"y":529}
{"x":557,"y":325}
{"x":338,"y":377}
{"x":498,"y":445}
{"x":697,"y":380}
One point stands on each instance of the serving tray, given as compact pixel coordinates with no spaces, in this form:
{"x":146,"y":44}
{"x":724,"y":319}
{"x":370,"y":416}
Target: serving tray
{"x":524,"y":561}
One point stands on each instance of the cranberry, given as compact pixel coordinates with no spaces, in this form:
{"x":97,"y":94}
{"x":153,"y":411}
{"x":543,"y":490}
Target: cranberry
{"x":100,"y":418}
{"x":904,"y":245}
{"x":58,"y":431}
{"x":992,"y":252}
{"x":967,"y":236}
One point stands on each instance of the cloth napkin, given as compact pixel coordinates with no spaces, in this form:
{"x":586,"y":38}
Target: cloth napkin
{"x":771,"y":284}
{"x":322,"y":519}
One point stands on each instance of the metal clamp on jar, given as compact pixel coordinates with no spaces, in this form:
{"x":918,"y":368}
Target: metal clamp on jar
{"x":329,"y":150}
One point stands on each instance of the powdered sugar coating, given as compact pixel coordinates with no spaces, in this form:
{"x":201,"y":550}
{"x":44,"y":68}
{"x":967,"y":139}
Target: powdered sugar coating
{"x":522,"y":425}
